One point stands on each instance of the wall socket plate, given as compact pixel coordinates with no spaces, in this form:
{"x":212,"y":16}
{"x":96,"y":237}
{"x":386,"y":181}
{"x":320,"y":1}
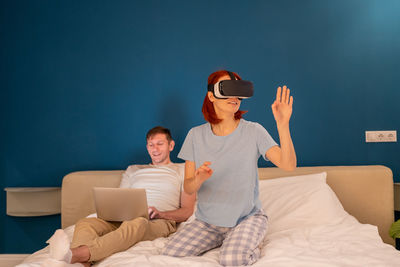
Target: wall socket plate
{"x":380,"y":136}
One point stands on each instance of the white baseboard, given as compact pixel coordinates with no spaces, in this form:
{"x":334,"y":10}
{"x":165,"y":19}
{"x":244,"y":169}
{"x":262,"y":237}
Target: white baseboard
{"x":10,"y":260}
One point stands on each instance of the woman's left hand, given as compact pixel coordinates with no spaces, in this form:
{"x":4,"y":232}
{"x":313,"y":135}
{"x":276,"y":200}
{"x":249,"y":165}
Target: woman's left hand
{"x":282,"y":107}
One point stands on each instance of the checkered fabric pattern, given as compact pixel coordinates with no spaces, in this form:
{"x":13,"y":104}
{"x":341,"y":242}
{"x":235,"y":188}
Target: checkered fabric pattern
{"x":239,"y":245}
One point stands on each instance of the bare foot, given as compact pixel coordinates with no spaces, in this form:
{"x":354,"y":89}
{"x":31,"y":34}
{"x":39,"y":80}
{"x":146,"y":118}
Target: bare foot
{"x":80,"y":254}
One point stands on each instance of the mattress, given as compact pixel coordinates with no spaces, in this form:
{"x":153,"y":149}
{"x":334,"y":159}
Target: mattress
{"x":307,"y":226}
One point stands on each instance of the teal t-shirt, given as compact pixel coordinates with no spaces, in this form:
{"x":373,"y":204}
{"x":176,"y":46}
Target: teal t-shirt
{"x":231,"y":193}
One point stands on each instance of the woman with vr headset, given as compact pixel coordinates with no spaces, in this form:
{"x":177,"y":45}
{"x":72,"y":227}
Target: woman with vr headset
{"x":221,"y":167}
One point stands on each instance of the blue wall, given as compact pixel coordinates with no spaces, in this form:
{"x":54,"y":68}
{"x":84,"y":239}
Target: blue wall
{"x":82,"y":81}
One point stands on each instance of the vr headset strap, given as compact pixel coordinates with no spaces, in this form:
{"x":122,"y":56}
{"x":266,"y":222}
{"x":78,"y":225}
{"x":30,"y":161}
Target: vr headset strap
{"x":210,"y":87}
{"x":231,"y":75}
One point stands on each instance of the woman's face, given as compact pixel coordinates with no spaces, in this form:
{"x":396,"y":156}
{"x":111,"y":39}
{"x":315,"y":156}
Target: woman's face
{"x":228,"y":105}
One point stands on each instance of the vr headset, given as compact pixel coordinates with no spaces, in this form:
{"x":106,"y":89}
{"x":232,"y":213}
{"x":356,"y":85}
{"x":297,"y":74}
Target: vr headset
{"x":231,"y":88}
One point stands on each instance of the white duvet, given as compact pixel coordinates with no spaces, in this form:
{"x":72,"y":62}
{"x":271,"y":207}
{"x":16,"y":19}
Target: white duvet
{"x":307,"y":227}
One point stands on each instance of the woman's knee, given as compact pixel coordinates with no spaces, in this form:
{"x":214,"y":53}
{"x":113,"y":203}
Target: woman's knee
{"x":177,"y":246}
{"x":170,"y":248}
{"x":239,"y":258}
{"x":192,"y":240}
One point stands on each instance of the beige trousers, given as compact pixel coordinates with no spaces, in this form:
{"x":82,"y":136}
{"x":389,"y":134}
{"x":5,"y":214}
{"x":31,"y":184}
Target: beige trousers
{"x":105,"y":238}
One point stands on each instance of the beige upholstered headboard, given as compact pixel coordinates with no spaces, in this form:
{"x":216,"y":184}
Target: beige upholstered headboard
{"x":366,"y":192}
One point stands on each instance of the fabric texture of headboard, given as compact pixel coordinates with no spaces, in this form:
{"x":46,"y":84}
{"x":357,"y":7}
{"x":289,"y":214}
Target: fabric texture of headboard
{"x":366,"y":192}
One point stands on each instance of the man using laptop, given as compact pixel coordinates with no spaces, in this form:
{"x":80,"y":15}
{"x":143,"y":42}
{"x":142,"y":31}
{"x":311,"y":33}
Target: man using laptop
{"x":95,"y":239}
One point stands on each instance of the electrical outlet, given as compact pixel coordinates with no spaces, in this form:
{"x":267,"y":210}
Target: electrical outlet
{"x":380,"y":136}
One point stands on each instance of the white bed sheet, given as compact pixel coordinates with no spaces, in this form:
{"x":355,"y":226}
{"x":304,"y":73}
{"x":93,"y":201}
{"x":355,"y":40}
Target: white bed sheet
{"x":343,"y":243}
{"x":307,"y":227}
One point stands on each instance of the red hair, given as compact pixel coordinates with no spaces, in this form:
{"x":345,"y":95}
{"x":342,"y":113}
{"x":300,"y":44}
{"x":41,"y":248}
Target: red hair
{"x":208,"y":107}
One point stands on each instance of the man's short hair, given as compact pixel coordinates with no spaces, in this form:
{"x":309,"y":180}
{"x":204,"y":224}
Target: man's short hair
{"x":159,"y":130}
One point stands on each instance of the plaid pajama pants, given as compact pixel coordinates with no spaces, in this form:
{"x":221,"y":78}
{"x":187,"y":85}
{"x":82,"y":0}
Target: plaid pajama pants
{"x":239,"y":244}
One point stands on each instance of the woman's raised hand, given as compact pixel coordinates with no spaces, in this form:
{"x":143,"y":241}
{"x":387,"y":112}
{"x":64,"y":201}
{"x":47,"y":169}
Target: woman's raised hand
{"x":282,"y":106}
{"x":203,"y":172}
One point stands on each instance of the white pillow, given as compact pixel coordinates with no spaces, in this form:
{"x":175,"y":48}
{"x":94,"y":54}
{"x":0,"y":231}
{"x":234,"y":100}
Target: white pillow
{"x":299,"y":201}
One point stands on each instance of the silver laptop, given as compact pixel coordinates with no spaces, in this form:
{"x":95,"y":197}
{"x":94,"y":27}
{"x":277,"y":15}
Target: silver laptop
{"x":120,"y":204}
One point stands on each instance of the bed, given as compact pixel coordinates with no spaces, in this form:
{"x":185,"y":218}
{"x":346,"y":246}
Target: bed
{"x":318,"y":216}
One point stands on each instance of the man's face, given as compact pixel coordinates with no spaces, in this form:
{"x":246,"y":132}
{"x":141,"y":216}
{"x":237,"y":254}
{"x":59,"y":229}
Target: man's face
{"x":159,"y":148}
